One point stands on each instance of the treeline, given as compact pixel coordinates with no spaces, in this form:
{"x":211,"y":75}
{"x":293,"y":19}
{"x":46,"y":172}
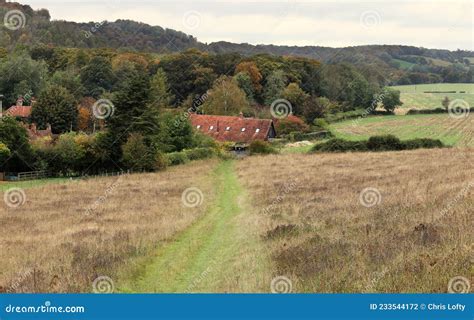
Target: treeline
{"x":140,"y":102}
{"x":379,"y":60}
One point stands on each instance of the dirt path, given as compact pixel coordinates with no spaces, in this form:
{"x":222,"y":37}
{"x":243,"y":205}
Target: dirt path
{"x":219,"y":253}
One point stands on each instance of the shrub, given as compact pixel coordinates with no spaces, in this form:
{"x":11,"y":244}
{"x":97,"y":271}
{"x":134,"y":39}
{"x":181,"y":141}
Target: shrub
{"x":161,"y":161}
{"x":290,"y":124}
{"x":422,"y":143}
{"x":176,"y":158}
{"x":376,"y":143}
{"x":296,"y":136}
{"x":4,"y":153}
{"x":320,"y":124}
{"x":261,"y":147}
{"x":340,"y":145}
{"x":384,"y":143}
{"x":137,"y":155}
{"x":199,"y":153}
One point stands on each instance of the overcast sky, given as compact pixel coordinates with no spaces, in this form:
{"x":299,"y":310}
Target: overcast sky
{"x":431,"y":24}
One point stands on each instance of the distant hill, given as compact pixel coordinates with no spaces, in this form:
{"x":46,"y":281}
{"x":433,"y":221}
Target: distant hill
{"x":136,"y":36}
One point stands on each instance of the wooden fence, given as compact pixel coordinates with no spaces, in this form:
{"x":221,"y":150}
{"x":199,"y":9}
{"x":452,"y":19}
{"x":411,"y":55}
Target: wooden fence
{"x":31,"y":175}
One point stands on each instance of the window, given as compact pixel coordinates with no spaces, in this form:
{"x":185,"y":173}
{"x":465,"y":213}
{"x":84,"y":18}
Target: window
{"x":257,"y":130}
{"x":227,"y":129}
{"x":198,"y":126}
{"x":211,"y":127}
{"x":243,"y":129}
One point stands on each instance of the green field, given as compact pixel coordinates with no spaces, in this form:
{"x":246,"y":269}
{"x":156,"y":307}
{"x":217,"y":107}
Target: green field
{"x":453,"y":132}
{"x":414,"y":96}
{"x":404,"y":64}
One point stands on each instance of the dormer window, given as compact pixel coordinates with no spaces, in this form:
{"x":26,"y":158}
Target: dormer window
{"x":211,"y":127}
{"x":198,"y":126}
{"x":243,"y":129}
{"x":257,"y":130}
{"x":227,"y":129}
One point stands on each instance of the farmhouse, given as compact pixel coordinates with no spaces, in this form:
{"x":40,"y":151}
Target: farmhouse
{"x":234,"y":129}
{"x":23,"y":113}
{"x":19,"y":110}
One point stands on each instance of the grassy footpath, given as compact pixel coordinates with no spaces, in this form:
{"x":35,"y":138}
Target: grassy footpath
{"x":218,"y":253}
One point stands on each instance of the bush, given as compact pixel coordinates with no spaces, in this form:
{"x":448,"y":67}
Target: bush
{"x":161,"y":161}
{"x":320,"y":124}
{"x":431,"y":111}
{"x":136,"y":155}
{"x":4,"y":153}
{"x":422,"y":143}
{"x":199,"y":153}
{"x":384,"y":143}
{"x":296,"y":136}
{"x":261,"y":147}
{"x":376,"y":143}
{"x":340,"y":145}
{"x":176,"y":158}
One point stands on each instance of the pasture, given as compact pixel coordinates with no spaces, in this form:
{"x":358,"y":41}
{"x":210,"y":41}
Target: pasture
{"x":419,"y":97}
{"x":451,"y":131}
{"x":308,"y":218}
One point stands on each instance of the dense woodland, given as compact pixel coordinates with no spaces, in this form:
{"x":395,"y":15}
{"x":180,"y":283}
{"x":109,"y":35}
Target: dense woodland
{"x":66,"y":69}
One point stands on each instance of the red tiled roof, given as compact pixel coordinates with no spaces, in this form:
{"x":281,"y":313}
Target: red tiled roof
{"x":19,"y":111}
{"x":235,"y":129}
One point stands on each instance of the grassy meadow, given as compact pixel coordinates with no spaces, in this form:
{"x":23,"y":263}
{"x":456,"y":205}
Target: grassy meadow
{"x":301,"y":216}
{"x":451,"y":131}
{"x":412,"y":234}
{"x":68,"y":234}
{"x":414,"y":96}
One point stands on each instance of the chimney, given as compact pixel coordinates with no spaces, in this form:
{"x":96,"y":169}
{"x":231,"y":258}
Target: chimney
{"x":19,"y":101}
{"x":241,"y":114}
{"x":33,"y":101}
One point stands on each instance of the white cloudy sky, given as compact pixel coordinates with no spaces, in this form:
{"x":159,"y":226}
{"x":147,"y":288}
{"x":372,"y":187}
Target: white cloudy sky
{"x":431,"y":24}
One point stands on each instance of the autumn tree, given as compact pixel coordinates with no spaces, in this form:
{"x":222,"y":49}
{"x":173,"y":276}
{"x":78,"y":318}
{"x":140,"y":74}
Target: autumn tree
{"x":225,"y":98}
{"x":252,"y":70}
{"x":85,"y":119}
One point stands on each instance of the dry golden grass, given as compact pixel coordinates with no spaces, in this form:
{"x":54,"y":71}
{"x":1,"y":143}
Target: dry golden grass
{"x":321,"y":237}
{"x":53,"y":244}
